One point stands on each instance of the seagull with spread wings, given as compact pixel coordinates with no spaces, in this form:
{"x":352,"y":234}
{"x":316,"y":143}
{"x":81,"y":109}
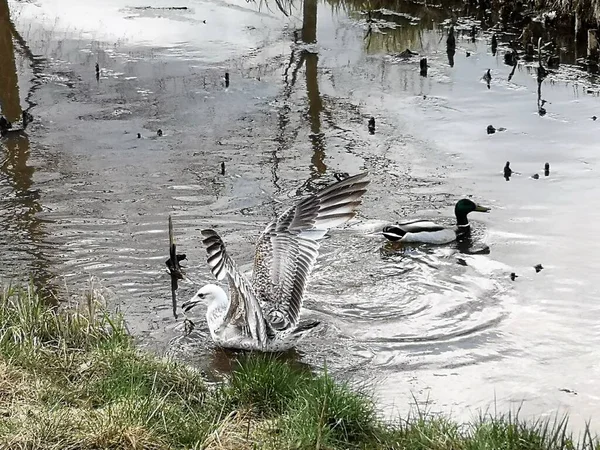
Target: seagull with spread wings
{"x":263,"y":313}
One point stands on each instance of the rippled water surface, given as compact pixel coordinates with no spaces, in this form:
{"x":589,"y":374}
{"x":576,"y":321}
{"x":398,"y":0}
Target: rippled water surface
{"x":82,"y":196}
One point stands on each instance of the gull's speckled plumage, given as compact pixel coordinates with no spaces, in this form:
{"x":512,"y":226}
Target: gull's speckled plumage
{"x":263,"y":314}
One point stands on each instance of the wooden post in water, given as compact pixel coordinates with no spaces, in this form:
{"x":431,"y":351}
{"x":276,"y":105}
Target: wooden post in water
{"x":174,"y":267}
{"x":173,"y":260}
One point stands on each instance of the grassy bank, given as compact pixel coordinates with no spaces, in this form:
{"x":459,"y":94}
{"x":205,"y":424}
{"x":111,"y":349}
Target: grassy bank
{"x":75,"y":380}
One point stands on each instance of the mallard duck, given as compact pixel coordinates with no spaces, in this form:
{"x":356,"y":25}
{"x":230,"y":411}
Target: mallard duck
{"x":423,"y":231}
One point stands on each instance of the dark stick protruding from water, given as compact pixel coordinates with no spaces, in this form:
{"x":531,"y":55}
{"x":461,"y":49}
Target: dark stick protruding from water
{"x":451,"y":46}
{"x":223,"y":168}
{"x":546,"y":169}
{"x":97,"y":72}
{"x":507,"y":171}
{"x":494,"y":44}
{"x":541,"y":70}
{"x":488,"y":77}
{"x":372,"y":125}
{"x":226,"y":79}
{"x":174,"y":267}
{"x":451,"y":41}
{"x":423,"y":66}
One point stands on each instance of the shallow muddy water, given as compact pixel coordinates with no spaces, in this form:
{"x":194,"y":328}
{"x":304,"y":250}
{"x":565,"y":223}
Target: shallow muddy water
{"x":82,"y":196}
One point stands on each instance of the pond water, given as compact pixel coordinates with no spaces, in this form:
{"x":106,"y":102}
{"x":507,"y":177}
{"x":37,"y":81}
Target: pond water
{"x":82,"y":197}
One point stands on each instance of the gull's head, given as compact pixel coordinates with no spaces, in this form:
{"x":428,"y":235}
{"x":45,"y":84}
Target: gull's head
{"x":208,"y":294}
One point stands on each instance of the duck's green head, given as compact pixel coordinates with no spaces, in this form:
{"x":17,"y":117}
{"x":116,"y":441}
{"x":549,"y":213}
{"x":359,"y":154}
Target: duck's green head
{"x":466,"y":206}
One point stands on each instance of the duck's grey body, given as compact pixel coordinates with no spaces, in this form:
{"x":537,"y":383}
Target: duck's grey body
{"x":263,"y":314}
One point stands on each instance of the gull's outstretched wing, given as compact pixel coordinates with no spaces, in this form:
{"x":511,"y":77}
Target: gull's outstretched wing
{"x":244,"y":310}
{"x":288,"y":248}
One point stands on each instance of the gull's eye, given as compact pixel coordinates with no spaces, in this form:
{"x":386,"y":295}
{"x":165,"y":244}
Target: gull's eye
{"x":201,"y":295}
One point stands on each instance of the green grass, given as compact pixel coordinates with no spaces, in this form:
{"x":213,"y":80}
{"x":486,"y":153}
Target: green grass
{"x":72,"y":378}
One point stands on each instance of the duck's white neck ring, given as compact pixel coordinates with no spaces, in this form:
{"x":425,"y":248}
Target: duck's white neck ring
{"x":466,"y":225}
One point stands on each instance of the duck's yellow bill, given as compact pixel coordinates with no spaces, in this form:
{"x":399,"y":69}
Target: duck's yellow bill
{"x":480,"y":208}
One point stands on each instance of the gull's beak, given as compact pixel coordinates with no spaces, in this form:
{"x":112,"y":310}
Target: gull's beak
{"x":480,"y":208}
{"x":187,"y":306}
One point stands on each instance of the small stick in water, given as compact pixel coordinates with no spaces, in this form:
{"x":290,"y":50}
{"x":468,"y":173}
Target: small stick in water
{"x":174,"y":267}
{"x":451,"y":41}
{"x":547,"y":169}
{"x":507,"y":171}
{"x":494,"y":44}
{"x":423,"y":66}
{"x":487,"y":77}
{"x":372,"y":125}
{"x":97,"y":72}
{"x":226,"y":79}
{"x":223,"y":168}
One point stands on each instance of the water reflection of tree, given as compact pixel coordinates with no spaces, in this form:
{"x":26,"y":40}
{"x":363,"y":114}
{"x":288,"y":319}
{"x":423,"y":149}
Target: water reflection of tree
{"x":309,"y":59}
{"x":405,"y":32}
{"x":19,"y":210}
{"x":315,"y":105}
